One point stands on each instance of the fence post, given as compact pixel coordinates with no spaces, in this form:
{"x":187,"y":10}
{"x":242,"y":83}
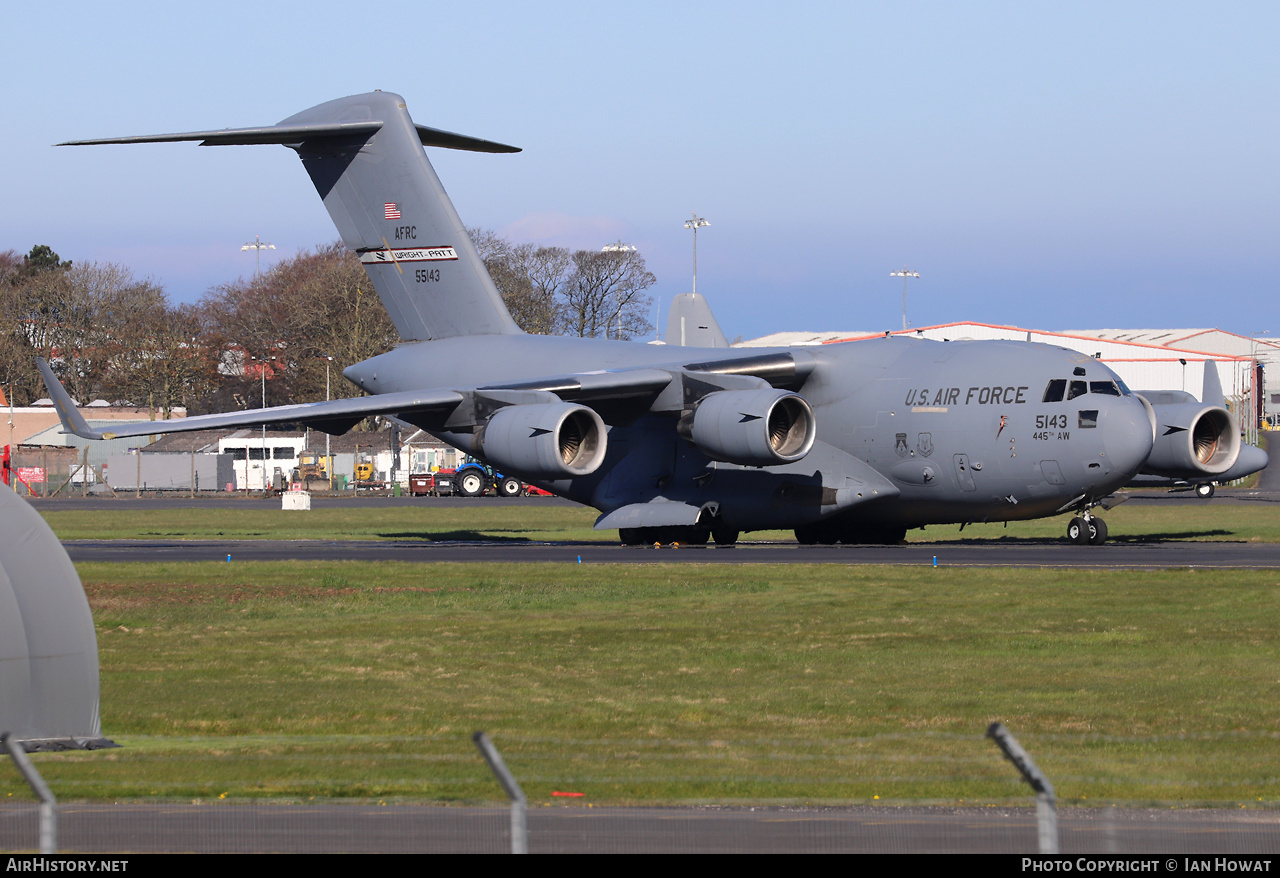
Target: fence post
{"x":48,"y":804}
{"x":1046,"y":801}
{"x":519,"y":826}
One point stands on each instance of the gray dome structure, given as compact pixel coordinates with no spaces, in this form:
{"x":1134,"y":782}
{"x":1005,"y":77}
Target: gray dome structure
{"x":48,"y":648}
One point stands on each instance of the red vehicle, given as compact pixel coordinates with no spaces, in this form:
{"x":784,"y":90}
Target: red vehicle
{"x":535,"y":491}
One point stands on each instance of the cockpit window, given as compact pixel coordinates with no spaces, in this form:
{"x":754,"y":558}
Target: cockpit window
{"x":1124,"y":388}
{"x":1106,"y":388}
{"x":1078,"y":388}
{"x":1053,"y":393}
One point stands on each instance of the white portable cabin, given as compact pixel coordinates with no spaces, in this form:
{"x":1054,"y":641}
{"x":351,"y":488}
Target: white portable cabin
{"x":256,"y":460}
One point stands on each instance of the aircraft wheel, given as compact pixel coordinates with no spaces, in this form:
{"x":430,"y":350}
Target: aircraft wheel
{"x":1204,"y":491}
{"x":693,"y":536}
{"x":807,"y":535}
{"x":1078,"y":531}
{"x":510,"y":487}
{"x":1097,"y":531}
{"x":471,"y":485}
{"x":631,"y":536}
{"x":724,"y":536}
{"x":889,"y":535}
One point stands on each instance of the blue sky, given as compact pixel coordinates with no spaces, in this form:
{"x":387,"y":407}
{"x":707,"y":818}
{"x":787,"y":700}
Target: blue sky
{"x":1057,"y":166}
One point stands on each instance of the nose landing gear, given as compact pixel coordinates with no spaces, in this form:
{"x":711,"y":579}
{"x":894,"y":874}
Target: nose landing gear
{"x":1087,"y":529}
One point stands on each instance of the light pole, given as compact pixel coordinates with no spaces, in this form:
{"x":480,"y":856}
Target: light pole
{"x":695,"y":223}
{"x":262,"y":367}
{"x":1255,"y":394}
{"x":257,"y":245}
{"x":328,"y":462}
{"x":904,"y":274}
{"x":617,"y":247}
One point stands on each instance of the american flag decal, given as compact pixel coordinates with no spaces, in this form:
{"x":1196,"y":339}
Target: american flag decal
{"x":391,"y":211}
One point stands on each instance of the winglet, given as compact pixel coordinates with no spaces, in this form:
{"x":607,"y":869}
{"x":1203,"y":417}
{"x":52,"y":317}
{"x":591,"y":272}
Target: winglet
{"x":1212,"y":392}
{"x":72,"y":421}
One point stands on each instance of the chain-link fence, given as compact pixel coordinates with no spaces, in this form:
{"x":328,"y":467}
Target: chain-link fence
{"x":579,"y":826}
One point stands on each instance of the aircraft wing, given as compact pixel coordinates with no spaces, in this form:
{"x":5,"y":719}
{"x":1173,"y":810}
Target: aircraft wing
{"x":596,"y":385}
{"x":336,"y":416}
{"x":430,"y":406}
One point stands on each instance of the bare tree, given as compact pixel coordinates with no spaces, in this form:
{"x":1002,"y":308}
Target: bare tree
{"x":550,"y":290}
{"x":604,"y":295}
{"x":289,"y":321}
{"x":529,"y":278}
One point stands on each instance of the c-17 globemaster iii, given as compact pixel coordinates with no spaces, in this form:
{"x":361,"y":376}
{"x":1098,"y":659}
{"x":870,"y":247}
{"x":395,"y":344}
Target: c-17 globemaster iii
{"x":844,"y":443}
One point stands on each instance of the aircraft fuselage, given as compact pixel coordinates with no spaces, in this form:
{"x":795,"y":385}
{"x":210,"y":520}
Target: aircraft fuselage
{"x":909,"y":431}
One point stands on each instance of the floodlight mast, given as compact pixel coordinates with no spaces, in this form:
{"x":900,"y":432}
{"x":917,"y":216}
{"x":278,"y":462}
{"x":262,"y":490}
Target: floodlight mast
{"x":257,"y":245}
{"x":904,"y":274}
{"x":695,"y":223}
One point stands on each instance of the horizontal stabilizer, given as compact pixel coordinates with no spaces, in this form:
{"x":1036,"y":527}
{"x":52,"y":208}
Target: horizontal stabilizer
{"x":244,"y":136}
{"x":289,"y":134}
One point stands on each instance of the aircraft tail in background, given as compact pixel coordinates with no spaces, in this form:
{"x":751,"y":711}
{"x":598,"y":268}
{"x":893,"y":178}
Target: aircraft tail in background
{"x":690,"y":323}
{"x":364,"y":154}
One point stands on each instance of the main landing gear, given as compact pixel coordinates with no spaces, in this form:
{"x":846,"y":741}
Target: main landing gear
{"x":1087,"y":530}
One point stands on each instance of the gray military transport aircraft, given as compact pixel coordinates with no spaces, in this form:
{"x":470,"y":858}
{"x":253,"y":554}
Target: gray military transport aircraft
{"x":849,"y":443}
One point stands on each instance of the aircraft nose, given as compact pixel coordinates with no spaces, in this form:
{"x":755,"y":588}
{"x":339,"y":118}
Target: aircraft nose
{"x":1127,"y":435}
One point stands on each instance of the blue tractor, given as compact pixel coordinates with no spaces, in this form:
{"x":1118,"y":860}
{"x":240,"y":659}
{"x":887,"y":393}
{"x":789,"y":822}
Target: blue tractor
{"x":475,"y":477}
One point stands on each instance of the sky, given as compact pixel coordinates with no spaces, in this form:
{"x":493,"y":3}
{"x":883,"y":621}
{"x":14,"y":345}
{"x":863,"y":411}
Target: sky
{"x":1056,"y":166}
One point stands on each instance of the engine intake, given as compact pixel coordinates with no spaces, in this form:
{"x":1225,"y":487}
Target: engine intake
{"x":1193,"y":439}
{"x":545,"y":441}
{"x":751,"y":427}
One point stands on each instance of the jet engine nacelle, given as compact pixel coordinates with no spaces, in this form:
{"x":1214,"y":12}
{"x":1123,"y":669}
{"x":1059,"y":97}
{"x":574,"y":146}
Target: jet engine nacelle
{"x":544,"y":441}
{"x":751,"y":427}
{"x":1193,"y":438}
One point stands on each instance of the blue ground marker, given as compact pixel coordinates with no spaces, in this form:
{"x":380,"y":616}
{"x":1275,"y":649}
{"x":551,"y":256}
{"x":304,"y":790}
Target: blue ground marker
{"x":935,"y":560}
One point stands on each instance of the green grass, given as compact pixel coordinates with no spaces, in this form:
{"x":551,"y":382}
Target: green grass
{"x":230,"y":520}
{"x":522,"y":523}
{"x":678,"y":683}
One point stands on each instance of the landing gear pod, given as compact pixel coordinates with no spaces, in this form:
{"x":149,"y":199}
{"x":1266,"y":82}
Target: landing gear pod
{"x":548,"y":441}
{"x":751,"y":427}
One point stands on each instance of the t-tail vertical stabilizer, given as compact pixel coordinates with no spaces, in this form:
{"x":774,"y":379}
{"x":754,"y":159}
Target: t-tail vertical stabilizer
{"x":365,"y":157}
{"x":690,"y":323}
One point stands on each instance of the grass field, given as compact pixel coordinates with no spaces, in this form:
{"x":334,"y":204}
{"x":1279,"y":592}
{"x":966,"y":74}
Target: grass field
{"x":822,"y":683}
{"x":543,"y":521}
